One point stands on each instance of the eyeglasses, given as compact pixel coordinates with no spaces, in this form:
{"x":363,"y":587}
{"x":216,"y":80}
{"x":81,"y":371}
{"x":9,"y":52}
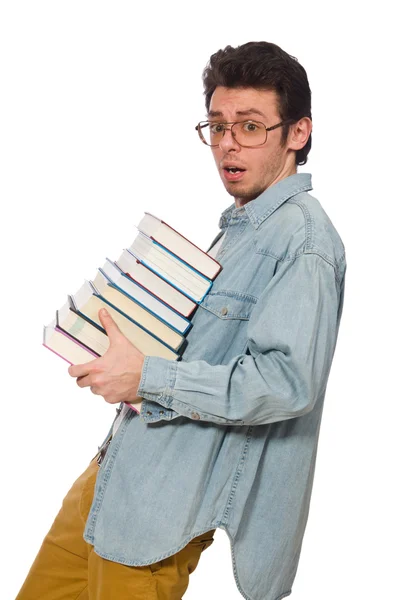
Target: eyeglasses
{"x":246,"y":133}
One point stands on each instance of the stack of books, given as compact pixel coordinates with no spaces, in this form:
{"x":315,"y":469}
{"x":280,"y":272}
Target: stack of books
{"x":151,"y":292}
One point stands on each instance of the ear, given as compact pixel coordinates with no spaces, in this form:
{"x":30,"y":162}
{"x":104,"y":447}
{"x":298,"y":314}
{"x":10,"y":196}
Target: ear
{"x":299,"y":133}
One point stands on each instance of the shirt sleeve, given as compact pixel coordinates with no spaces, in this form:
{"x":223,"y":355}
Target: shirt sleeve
{"x":292,"y":335}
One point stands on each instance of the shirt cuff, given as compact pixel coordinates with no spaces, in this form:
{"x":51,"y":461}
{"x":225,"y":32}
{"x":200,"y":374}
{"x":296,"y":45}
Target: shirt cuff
{"x":156,"y":387}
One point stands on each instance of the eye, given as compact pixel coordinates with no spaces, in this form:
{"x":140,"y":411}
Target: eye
{"x":216,"y":127}
{"x":250,"y":127}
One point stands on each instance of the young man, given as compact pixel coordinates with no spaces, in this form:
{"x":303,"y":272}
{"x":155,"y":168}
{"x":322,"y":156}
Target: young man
{"x":227,"y":436}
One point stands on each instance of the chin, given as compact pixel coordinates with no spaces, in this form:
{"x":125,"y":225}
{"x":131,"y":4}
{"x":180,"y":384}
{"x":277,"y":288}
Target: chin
{"x":243,"y":193}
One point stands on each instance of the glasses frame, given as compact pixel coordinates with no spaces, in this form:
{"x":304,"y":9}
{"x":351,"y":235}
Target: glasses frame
{"x":202,"y":124}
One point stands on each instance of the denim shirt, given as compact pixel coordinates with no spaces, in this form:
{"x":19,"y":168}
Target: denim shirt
{"x":227,"y":436}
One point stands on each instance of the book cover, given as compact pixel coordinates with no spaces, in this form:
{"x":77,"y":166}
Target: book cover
{"x":170,"y":238}
{"x":144,"y":298}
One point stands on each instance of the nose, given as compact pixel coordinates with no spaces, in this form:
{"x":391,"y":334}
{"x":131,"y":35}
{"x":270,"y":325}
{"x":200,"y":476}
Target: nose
{"x":228,"y":142}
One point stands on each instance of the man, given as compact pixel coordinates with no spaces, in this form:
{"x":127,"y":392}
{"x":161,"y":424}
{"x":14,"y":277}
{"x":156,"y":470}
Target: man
{"x":226,"y":437}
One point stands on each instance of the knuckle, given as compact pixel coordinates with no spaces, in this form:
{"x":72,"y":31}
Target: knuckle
{"x":97,"y":379}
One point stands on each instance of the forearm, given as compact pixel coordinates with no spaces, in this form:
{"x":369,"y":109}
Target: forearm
{"x":243,"y":392}
{"x":285,"y":369}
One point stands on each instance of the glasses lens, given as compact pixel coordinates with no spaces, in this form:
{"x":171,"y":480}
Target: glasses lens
{"x":250,"y":133}
{"x":212,"y":132}
{"x":247,"y":133}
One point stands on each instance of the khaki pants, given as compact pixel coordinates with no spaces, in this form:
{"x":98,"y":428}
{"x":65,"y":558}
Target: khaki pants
{"x":67,"y":568}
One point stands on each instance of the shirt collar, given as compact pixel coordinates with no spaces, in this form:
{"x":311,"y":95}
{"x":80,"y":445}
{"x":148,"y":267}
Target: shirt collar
{"x":264,"y":205}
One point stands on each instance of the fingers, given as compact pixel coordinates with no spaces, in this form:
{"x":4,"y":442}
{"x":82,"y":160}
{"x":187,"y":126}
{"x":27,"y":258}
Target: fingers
{"x":92,"y":382}
{"x":83,"y":369}
{"x":84,"y":381}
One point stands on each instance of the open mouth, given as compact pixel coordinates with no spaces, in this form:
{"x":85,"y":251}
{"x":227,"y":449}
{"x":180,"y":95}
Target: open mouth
{"x":233,"y":173}
{"x":234,"y":170}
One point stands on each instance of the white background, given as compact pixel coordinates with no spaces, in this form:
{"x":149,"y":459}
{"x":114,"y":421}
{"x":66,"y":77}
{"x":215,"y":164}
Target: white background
{"x":98,"y":105}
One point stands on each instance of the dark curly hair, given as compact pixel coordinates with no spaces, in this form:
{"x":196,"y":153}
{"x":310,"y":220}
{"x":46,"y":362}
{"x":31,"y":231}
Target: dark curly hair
{"x":262,"y":65}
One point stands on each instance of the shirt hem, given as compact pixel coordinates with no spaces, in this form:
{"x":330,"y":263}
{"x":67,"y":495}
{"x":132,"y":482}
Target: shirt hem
{"x":236,"y":577}
{"x":142,"y":563}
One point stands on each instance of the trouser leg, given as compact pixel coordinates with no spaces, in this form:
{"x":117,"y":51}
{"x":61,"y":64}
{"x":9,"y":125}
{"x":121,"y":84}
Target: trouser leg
{"x":59,"y":571}
{"x":167,"y":579}
{"x":67,"y":568}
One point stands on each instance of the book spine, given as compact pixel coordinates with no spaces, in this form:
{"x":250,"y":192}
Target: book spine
{"x":133,"y":407}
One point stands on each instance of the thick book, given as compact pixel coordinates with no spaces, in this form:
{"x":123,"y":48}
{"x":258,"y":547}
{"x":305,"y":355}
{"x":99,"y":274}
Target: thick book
{"x":65,"y":346}
{"x":81,"y":329}
{"x":143,"y":297}
{"x":151,"y":292}
{"x":171,"y":239}
{"x":68,"y":348}
{"x":88,"y":303}
{"x":170,"y":267}
{"x":140,"y":274}
{"x":137,"y":313}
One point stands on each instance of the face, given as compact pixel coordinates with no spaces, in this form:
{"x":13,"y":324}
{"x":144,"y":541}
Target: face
{"x":263,"y":165}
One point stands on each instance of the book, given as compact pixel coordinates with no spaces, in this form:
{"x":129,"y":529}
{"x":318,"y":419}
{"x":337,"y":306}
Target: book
{"x":65,"y":346}
{"x":70,"y":350}
{"x":89,"y":303}
{"x":145,"y":298}
{"x":140,"y":274}
{"x":159,"y":231}
{"x":170,"y":267}
{"x":80,"y":329}
{"x":134,"y":311}
{"x":151,"y":292}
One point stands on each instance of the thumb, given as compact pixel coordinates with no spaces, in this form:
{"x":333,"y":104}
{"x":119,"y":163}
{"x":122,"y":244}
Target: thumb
{"x":109,"y":325}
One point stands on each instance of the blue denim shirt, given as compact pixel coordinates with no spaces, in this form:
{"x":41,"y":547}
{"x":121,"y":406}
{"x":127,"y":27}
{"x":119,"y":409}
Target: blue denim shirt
{"x":228,"y":435}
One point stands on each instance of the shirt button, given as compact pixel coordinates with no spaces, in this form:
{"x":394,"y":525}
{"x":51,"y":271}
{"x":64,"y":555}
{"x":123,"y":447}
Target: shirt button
{"x":195,"y":416}
{"x":161,"y":412}
{"x":148,"y":412}
{"x":224,"y":310}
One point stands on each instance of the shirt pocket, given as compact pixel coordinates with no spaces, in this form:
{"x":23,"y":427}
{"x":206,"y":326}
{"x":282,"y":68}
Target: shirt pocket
{"x":224,"y":323}
{"x":228,"y":304}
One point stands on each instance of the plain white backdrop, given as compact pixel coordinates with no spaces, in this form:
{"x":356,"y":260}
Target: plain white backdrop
{"x":98,"y":106}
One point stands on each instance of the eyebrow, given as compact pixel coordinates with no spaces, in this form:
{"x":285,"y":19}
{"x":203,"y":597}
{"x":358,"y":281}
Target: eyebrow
{"x":218,"y":113}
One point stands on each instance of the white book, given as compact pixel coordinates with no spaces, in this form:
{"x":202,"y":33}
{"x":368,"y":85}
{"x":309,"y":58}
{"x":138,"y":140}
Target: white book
{"x":170,"y":267}
{"x":136,"y":270}
{"x":81,"y":329}
{"x":71,"y":350}
{"x":145,"y":298}
{"x":136,"y":312}
{"x":161,"y":232}
{"x":89,"y":303}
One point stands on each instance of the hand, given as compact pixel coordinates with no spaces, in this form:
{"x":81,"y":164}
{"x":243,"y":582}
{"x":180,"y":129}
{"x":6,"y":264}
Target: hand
{"x":116,"y":374}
